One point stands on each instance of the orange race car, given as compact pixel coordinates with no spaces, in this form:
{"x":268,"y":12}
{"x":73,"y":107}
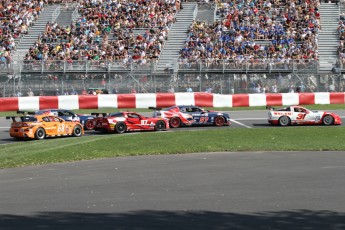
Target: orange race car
{"x":41,"y":126}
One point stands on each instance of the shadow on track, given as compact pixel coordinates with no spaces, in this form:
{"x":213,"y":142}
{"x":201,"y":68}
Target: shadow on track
{"x":154,"y":220}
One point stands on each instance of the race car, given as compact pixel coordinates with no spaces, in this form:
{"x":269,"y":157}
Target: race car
{"x":85,"y":119}
{"x":297,"y":115}
{"x":191,"y":115}
{"x":121,"y":122}
{"x":41,"y":126}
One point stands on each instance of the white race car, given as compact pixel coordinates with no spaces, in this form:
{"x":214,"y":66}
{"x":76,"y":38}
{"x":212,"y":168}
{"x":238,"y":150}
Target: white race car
{"x":297,"y":115}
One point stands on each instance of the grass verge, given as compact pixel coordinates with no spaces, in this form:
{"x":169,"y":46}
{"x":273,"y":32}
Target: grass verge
{"x":315,"y":138}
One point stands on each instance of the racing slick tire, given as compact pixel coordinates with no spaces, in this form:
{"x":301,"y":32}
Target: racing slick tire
{"x":120,"y":127}
{"x":219,"y":121}
{"x":160,"y":126}
{"x":327,"y":120}
{"x":89,"y":124}
{"x":40,"y":134}
{"x":175,"y":122}
{"x":284,"y":121}
{"x":77,"y":131}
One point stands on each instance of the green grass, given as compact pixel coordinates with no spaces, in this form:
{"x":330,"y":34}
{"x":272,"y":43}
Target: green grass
{"x":88,"y":111}
{"x":315,"y":138}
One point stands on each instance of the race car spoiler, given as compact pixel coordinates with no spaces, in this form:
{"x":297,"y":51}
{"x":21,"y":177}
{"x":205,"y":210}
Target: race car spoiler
{"x":155,"y":108}
{"x":98,"y":114}
{"x":26,"y":112}
{"x":22,"y":118}
{"x":156,"y":112}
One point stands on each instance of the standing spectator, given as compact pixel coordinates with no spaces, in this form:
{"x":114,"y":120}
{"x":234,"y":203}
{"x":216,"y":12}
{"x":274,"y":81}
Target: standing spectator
{"x":30,"y":93}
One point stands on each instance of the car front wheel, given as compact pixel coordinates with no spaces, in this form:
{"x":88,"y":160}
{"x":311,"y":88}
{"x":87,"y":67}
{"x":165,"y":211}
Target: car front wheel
{"x":160,"y":125}
{"x":77,"y":131}
{"x":219,"y":121}
{"x":328,"y":120}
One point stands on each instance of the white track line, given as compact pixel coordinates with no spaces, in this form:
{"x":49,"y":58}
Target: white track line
{"x":4,"y":127}
{"x":249,"y":119}
{"x":241,"y":124}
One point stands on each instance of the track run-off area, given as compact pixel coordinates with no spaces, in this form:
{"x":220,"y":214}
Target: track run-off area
{"x":220,"y":190}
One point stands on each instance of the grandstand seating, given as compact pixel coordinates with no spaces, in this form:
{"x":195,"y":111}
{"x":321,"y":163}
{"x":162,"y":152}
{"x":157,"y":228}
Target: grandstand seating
{"x":248,"y":36}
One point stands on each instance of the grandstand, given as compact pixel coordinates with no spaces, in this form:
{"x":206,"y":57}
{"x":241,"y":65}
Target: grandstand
{"x":222,"y":46}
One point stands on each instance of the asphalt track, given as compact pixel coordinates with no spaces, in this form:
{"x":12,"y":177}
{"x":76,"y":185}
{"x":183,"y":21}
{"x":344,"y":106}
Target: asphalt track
{"x":260,"y":190}
{"x":233,"y":190}
{"x":239,"y":119}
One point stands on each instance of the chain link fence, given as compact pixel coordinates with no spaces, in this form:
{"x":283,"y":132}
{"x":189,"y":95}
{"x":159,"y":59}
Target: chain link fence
{"x":90,"y":83}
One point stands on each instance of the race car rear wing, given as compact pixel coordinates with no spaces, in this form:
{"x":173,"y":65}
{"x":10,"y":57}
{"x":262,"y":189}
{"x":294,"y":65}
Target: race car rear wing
{"x":99,"y":114}
{"x":25,"y":112}
{"x":156,"y":112}
{"x":22,"y":118}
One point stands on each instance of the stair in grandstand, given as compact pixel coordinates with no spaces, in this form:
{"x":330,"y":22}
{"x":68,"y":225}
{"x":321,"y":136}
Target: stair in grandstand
{"x":206,"y":12}
{"x":328,"y":41}
{"x":65,"y":17}
{"x":177,"y":37}
{"x":29,"y":39}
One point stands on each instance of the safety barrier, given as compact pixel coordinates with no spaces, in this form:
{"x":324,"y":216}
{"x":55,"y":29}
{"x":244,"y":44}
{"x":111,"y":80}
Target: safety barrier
{"x":166,"y":100}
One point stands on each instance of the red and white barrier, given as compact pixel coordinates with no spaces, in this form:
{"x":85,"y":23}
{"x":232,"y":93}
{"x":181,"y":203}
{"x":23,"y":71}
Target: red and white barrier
{"x":166,"y":100}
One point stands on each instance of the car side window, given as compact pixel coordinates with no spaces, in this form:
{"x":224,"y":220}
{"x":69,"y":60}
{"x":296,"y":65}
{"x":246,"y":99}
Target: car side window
{"x":46,"y":119}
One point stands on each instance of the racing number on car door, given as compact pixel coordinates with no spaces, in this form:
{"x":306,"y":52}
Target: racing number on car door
{"x":203,"y":119}
{"x":61,"y":128}
{"x":143,"y":122}
{"x":301,"y":116}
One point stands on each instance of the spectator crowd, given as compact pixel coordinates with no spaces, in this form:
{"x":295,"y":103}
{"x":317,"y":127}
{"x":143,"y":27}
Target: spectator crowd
{"x":15,"y":19}
{"x":105,"y":31}
{"x":248,"y":30}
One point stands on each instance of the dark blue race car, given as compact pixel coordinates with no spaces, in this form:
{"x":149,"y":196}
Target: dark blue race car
{"x":192,"y":115}
{"x":86,"y":120}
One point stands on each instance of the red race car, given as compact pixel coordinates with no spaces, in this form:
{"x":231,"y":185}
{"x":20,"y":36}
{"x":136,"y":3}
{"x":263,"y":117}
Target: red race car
{"x":121,"y":122}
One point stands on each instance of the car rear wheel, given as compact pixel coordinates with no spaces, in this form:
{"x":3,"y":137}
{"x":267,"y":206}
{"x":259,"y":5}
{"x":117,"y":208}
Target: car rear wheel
{"x":175,"y":122}
{"x":284,"y":121}
{"x":219,"y":121}
{"x":120,"y":127}
{"x":77,"y":131}
{"x":40,"y":134}
{"x":89,"y":124}
{"x":328,"y":120}
{"x":160,"y":125}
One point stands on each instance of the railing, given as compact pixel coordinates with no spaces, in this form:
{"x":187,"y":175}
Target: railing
{"x":195,"y":12}
{"x":215,"y":12}
{"x":86,"y":66}
{"x":183,"y":66}
{"x":5,"y":66}
{"x":56,"y":13}
{"x":75,"y":14}
{"x":256,"y":65}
